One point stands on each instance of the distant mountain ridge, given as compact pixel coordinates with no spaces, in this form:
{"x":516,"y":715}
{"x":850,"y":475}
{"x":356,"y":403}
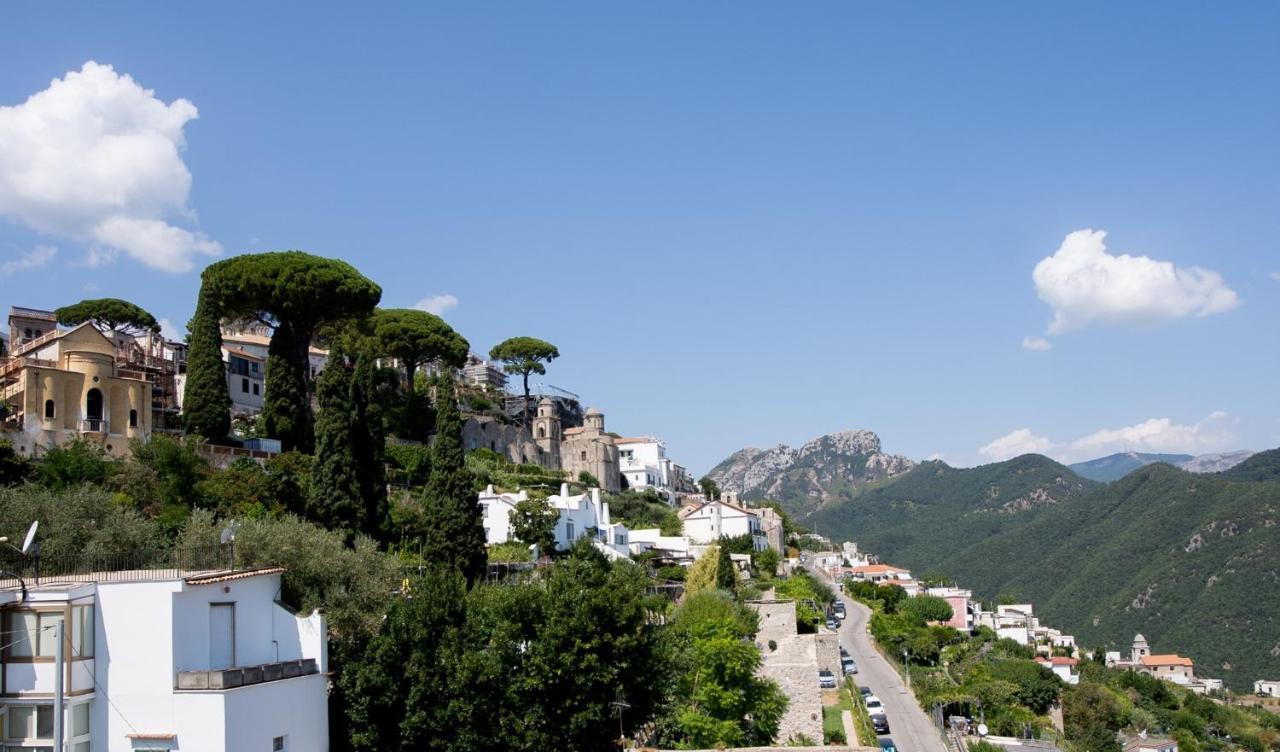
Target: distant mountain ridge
{"x":1116,"y":466}
{"x":829,"y":468}
{"x":1181,"y":557}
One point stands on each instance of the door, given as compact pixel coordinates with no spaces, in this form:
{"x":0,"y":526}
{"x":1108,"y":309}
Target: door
{"x":222,"y":635}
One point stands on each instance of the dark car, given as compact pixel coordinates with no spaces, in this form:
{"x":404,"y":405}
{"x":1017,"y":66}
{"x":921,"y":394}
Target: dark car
{"x":880,"y":722}
{"x":887,"y":745}
{"x":864,"y":691}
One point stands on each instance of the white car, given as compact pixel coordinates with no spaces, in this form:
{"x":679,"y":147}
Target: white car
{"x":873,"y":704}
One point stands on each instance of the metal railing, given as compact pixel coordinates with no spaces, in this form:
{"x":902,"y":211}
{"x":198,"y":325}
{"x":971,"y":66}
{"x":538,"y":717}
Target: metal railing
{"x":95,"y":425}
{"x":127,"y":566}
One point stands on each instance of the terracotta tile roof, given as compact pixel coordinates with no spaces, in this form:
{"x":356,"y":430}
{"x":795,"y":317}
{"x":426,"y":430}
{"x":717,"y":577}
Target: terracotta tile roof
{"x":153,"y":737}
{"x":242,"y":354}
{"x":878,"y":569}
{"x":227,"y":576}
{"x":1057,"y":660}
{"x":1165,"y":660}
{"x":633,"y":440}
{"x":686,"y":511}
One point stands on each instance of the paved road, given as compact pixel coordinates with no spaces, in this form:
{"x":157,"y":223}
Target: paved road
{"x":909,"y":727}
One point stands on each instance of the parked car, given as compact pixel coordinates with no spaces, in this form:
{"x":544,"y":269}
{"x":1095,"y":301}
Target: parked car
{"x":864,"y":691}
{"x":873,"y":704}
{"x":832,"y":624}
{"x":880,"y":722}
{"x":843,"y":653}
{"x":848,"y":666}
{"x":887,"y":745}
{"x":840,"y":609}
{"x":826,"y":679}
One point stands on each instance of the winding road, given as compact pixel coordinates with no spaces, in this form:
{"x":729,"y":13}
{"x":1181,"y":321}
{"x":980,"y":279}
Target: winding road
{"x":909,"y":727}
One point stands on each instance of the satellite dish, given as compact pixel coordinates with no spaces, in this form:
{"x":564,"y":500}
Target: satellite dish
{"x":31,"y":537}
{"x":982,"y":729}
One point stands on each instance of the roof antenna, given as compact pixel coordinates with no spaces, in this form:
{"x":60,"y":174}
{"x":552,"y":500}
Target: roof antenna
{"x":228,"y":537}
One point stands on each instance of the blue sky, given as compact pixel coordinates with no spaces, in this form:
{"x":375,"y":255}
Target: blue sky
{"x":742,"y":223}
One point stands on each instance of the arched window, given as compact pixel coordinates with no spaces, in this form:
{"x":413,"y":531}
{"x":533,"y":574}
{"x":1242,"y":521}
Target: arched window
{"x":48,"y":410}
{"x":542,"y":432}
{"x":133,"y":418}
{"x":93,"y":405}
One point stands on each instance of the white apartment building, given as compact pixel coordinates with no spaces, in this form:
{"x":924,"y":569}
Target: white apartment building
{"x":643,"y":462}
{"x":1266,"y":688}
{"x":201,"y":662}
{"x":577,"y":516}
{"x":708,"y":521}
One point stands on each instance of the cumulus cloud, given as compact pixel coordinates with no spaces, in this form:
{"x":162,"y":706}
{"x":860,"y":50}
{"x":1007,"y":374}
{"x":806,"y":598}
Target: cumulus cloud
{"x":171,"y":331}
{"x":1084,"y":284}
{"x":1039,"y":344}
{"x":1159,"y":435}
{"x":437,"y":304}
{"x":32,"y":259}
{"x":1021,"y":441}
{"x":97,"y":158}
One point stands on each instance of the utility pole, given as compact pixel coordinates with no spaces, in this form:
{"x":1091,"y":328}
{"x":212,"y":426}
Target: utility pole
{"x":58,"y":691}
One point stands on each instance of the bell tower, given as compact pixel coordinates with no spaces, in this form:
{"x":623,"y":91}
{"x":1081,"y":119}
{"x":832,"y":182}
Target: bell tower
{"x":546,"y":429}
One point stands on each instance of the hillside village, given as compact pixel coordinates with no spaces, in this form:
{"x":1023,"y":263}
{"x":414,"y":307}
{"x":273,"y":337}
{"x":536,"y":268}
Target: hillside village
{"x":554,"y":479}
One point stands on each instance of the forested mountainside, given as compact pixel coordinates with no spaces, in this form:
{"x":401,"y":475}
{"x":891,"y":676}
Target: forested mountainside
{"x":830,"y":468}
{"x":1183,"y":558}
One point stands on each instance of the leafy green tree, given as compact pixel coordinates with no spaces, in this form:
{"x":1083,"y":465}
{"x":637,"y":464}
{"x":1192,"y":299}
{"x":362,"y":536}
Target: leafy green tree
{"x":1091,"y":717}
{"x":703,"y":571}
{"x":111,"y":314}
{"x":1038,"y":688}
{"x":926,"y":608}
{"x":589,"y":480}
{"x":416,"y":339}
{"x":726,"y":574}
{"x":523,"y":356}
{"x":14,"y":468}
{"x":718,"y":700}
{"x":295,"y":293}
{"x":164,"y":479}
{"x":206,"y":403}
{"x":534,"y":521}
{"x":404,"y":693}
{"x":709,"y":487}
{"x":335,"y":500}
{"x":74,"y":463}
{"x":78,"y":520}
{"x":453,"y":533}
{"x":765,"y":563}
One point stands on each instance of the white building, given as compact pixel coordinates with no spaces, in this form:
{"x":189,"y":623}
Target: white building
{"x":1016,"y":622}
{"x":1266,"y":688}
{"x":708,"y":521}
{"x":643,"y":462}
{"x":206,"y":662}
{"x":1064,"y":668}
{"x":577,"y":516}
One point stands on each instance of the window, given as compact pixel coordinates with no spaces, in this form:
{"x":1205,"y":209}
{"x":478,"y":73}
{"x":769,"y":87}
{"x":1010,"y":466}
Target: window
{"x":93,"y":405}
{"x":30,"y":722}
{"x":277,"y":744}
{"x":568,"y":530}
{"x":133,"y":418}
{"x":255,"y":390}
{"x":80,"y":719}
{"x":33,"y":633}
{"x":244,"y":385}
{"x":39,"y":333}
{"x":48,"y":410}
{"x":253,"y":368}
{"x":27,"y":333}
{"x":82,"y":631}
{"x":584,"y":455}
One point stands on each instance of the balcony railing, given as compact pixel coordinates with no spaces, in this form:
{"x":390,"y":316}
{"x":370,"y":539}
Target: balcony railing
{"x":95,"y":425}
{"x":130,"y":566}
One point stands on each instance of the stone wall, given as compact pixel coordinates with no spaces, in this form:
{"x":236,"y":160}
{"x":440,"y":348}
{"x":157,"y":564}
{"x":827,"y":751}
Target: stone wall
{"x":828,"y":652}
{"x":792,"y":662}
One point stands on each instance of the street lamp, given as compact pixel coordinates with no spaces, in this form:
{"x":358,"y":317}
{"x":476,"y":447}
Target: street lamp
{"x":906,"y":666}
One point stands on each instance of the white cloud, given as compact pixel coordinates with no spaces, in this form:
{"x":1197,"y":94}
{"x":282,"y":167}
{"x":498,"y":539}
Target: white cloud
{"x":1159,"y":435}
{"x":170,"y":331}
{"x":1084,"y":284}
{"x":437,"y":304}
{"x":1275,"y":276}
{"x":1021,"y":441}
{"x":32,"y":259}
{"x":1039,"y":344}
{"x":97,"y":158}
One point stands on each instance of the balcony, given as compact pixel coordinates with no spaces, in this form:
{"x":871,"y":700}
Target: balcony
{"x":230,"y":678}
{"x":95,"y":425}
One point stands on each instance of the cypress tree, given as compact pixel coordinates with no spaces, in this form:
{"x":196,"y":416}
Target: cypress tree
{"x":286,"y":406}
{"x":206,"y":403}
{"x":369,"y":443}
{"x":453,"y":532}
{"x":726,"y":578}
{"x":335,"y":500}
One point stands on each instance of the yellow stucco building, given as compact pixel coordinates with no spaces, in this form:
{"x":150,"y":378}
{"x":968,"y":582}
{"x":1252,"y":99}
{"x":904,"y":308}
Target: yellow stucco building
{"x":68,"y":384}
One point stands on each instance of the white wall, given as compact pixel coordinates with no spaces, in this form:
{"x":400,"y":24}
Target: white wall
{"x":255,"y":625}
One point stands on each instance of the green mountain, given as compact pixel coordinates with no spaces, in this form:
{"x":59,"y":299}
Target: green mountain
{"x":1116,"y":466}
{"x":1192,"y":561}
